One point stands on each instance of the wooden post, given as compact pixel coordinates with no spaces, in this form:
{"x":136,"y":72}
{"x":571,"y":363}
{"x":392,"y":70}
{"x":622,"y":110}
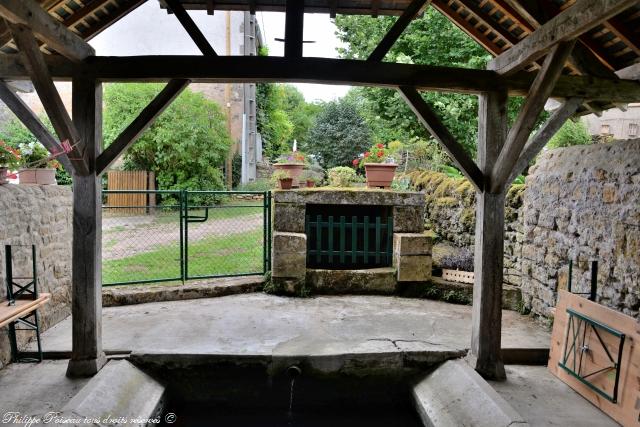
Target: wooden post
{"x":486,"y":355}
{"x":87,"y":357}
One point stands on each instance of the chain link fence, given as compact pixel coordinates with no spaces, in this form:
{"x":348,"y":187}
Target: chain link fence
{"x":160,"y":236}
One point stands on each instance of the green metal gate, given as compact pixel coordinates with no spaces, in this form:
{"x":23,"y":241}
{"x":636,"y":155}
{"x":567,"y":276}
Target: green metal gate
{"x":162,"y":236}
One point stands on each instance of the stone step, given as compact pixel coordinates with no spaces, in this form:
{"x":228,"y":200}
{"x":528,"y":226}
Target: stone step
{"x":334,"y":282}
{"x":455,"y":395}
{"x":119,"y":390}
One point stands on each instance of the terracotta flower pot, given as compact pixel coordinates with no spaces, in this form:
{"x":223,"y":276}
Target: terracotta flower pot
{"x":380,"y":174}
{"x":311,"y":184}
{"x":286,"y":183}
{"x":3,"y":175}
{"x":293,"y":169}
{"x":38,"y":176}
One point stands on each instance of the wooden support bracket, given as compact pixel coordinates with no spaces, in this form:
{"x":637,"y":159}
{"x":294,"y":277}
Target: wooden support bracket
{"x":191,"y":28}
{"x":140,"y":124}
{"x":432,"y":122}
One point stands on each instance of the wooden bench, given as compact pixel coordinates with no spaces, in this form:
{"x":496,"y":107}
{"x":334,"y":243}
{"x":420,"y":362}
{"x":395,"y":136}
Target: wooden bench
{"x":22,"y":315}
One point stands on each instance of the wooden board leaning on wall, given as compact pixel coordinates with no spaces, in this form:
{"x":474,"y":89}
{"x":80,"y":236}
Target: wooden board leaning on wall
{"x":626,"y":408}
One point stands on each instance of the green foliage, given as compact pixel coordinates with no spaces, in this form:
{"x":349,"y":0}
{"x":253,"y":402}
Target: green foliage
{"x":339,"y":134}
{"x":571,"y":133}
{"x":186,"y":146}
{"x":257,"y":185}
{"x":429,"y":40}
{"x":341,"y":176}
{"x":283,"y":115}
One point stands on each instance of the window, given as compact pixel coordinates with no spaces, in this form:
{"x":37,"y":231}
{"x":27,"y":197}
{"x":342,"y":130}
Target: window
{"x":633,"y":129}
{"x":604,"y":130}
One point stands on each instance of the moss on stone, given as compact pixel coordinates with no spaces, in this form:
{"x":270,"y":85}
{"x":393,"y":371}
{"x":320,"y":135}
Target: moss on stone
{"x":446,"y":201}
{"x":468,"y":217}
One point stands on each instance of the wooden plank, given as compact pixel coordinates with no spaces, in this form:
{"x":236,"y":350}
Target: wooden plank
{"x":191,"y":28}
{"x":86,"y":277}
{"x":49,"y":96}
{"x":51,"y":31}
{"x":32,"y":122}
{"x":627,"y":410}
{"x":486,"y":318}
{"x":415,"y":8}
{"x":440,"y":133}
{"x":293,"y":29}
{"x":141,"y":123}
{"x":542,"y":137}
{"x":567,"y":25}
{"x":10,"y":313}
{"x":526,"y":120}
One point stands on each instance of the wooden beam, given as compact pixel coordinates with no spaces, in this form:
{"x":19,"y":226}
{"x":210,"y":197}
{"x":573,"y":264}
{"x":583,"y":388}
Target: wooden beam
{"x":31,"y":121}
{"x":525,"y":122}
{"x":211,"y":8}
{"x":620,"y":30}
{"x":414,"y":9}
{"x":49,"y":96}
{"x":140,"y":124}
{"x":567,"y":25}
{"x":486,"y":317}
{"x":86,"y":278}
{"x":440,"y":133}
{"x":256,"y":69}
{"x":293,"y":29}
{"x":55,"y":34}
{"x":191,"y":28}
{"x":542,"y":137}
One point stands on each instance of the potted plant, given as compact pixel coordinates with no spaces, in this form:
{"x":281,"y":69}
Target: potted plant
{"x":293,"y":163}
{"x":379,"y":164}
{"x":37,"y":166}
{"x":458,"y":267}
{"x":309,"y":179}
{"x":285,"y":182}
{"x":9,"y":159}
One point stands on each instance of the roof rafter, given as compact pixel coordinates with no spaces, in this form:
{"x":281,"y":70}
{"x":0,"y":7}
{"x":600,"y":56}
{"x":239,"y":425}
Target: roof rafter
{"x":191,"y":28}
{"x":51,"y":31}
{"x":567,"y":25}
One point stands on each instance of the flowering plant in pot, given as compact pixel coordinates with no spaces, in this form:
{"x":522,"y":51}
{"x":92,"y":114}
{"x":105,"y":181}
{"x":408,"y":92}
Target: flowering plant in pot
{"x":9,"y":159}
{"x":283,"y":179}
{"x":293,"y":163}
{"x":37,"y":167}
{"x":309,"y":179}
{"x":379,"y":164}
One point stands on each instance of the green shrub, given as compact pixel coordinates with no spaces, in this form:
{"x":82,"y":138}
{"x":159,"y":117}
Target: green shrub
{"x":341,"y":176}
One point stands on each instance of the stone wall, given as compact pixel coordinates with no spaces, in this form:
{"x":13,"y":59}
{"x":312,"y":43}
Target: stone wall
{"x":583,"y":203}
{"x":451,"y":214}
{"x":40,"y":215}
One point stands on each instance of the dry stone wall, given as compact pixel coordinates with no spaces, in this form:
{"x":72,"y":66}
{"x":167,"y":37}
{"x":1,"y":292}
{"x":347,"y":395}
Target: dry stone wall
{"x":583,"y":203}
{"x":40,"y":215}
{"x":451,"y":213}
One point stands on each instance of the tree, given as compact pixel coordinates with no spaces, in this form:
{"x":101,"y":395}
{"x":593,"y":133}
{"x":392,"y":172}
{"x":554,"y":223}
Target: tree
{"x":338,"y":135}
{"x":185,"y":147}
{"x":571,"y":133}
{"x":429,"y":40}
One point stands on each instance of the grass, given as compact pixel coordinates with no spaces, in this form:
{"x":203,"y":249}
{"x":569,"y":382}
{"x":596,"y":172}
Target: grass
{"x":221,"y":255}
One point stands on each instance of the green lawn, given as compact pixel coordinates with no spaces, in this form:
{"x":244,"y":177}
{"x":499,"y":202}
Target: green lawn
{"x":232,"y":254}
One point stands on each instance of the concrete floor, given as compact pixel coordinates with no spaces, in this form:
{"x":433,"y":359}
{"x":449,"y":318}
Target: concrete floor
{"x":544,"y":400}
{"x":259,"y":324}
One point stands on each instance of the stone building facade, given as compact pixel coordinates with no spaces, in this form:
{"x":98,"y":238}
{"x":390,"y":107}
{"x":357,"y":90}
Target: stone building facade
{"x":40,"y":215}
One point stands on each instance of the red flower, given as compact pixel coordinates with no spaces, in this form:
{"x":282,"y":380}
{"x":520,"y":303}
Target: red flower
{"x":380,"y":153}
{"x":367,"y":154}
{"x":380,"y":145}
{"x":355,"y":162}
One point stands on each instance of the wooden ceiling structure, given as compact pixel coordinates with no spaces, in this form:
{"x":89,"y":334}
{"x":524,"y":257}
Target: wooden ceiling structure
{"x":583,"y":52}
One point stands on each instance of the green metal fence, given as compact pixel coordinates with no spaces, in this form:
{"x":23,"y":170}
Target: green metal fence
{"x":161,"y":236}
{"x":348,"y":242}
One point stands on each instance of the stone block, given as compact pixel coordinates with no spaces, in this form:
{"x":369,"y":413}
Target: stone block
{"x":413,"y":268}
{"x":289,"y":217}
{"x":289,"y":258}
{"x":456,"y":395}
{"x":408,"y":219}
{"x":412,"y":244}
{"x":369,"y":281}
